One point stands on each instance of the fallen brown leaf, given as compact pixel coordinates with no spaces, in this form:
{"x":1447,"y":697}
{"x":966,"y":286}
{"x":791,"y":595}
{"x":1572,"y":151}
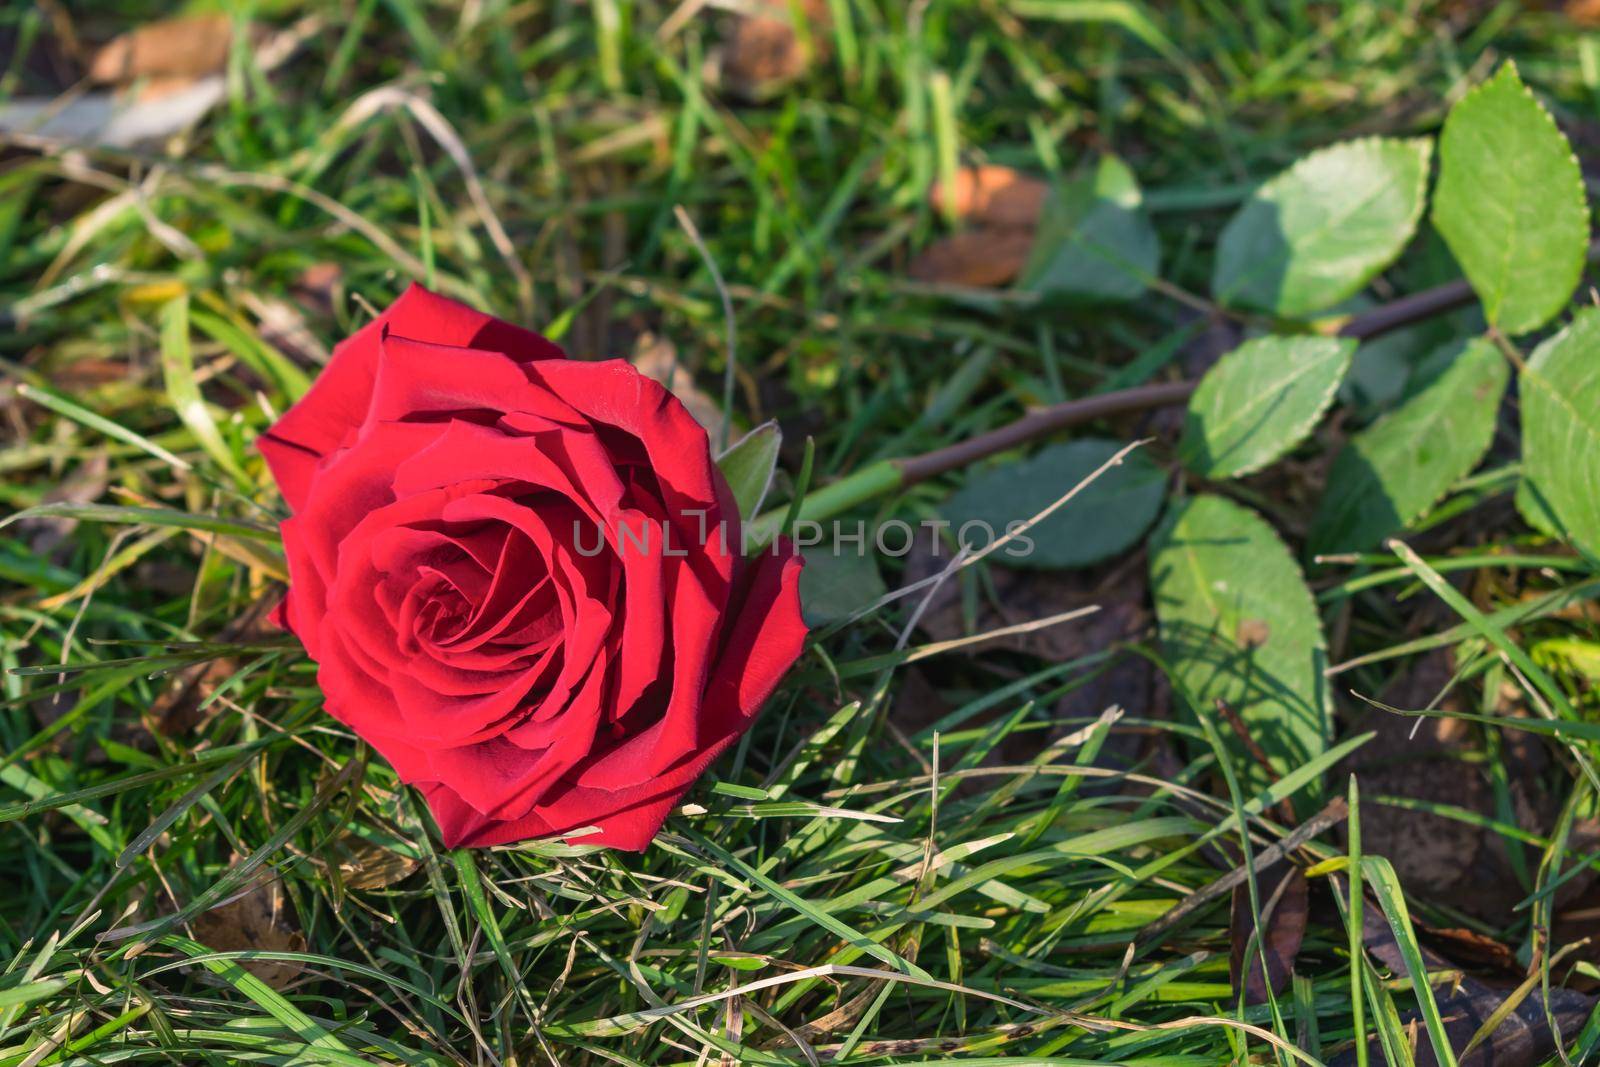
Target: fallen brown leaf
{"x":284,"y":327}
{"x":364,"y":865}
{"x":165,"y":576}
{"x":171,"y":48}
{"x":84,"y":485}
{"x":763,"y":53}
{"x":1022,"y":596}
{"x":657,"y":358}
{"x":1435,"y":855}
{"x":1469,"y":946}
{"x":993,"y":195}
{"x":319,"y":286}
{"x":260,"y":919}
{"x":178,"y":708}
{"x":1002,"y":205}
{"x":168,"y":99}
{"x":1523,"y":1039}
{"x":1128,"y":681}
{"x":82,"y":375}
{"x":918,"y":702}
{"x":1584,"y":12}
{"x":1285,"y":899}
{"x":985,"y":258}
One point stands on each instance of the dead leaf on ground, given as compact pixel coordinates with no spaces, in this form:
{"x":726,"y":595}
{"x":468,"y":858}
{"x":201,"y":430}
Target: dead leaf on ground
{"x":1285,"y":901}
{"x":261,"y":919}
{"x":1022,"y":596}
{"x":284,"y":327}
{"x":1523,"y":1038}
{"x":86,"y":484}
{"x":918,"y":702}
{"x":165,"y":103}
{"x":657,"y":358}
{"x":1583,"y":12}
{"x":763,"y":53}
{"x":170,"y":48}
{"x":365,"y":865}
{"x":319,"y":287}
{"x":994,"y":196}
{"x":1001,"y":207}
{"x":165,"y":576}
{"x":82,"y":375}
{"x":986,"y":258}
{"x":179,"y":707}
{"x":1128,"y":681}
{"x":1437,"y":856}
{"x":1469,"y":946}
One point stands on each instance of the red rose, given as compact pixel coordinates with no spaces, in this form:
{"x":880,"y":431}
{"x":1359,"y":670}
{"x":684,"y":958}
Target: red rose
{"x":520,"y":577}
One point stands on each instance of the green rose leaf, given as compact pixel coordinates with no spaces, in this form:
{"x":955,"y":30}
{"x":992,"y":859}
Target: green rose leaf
{"x":1393,"y":472}
{"x":1107,"y":517}
{"x":748,"y":465}
{"x":1510,"y":203}
{"x":1259,"y":401}
{"x":1534,"y":508}
{"x":1095,"y":240}
{"x":1239,"y":625}
{"x":1318,"y":232}
{"x":1561,"y":431}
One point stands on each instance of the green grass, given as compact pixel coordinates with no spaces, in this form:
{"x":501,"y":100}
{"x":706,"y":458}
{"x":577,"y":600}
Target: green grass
{"x":849,"y":887}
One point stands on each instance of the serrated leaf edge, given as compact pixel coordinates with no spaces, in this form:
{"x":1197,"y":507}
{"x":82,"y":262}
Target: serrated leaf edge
{"x":1533,"y":376}
{"x":1478,"y":453}
{"x":1300,"y":431}
{"x":1302,"y":589}
{"x":1509,"y":67}
{"x":1423,"y":145}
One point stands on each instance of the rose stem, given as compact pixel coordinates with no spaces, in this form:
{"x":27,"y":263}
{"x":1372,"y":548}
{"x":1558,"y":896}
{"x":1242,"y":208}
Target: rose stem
{"x":887,"y":476}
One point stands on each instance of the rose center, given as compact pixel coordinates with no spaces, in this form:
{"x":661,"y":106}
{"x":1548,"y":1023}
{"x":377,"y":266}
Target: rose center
{"x":478,"y":597}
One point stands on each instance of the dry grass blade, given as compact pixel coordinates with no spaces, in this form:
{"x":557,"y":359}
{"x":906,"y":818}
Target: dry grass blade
{"x":621,"y":1024}
{"x":393,"y":97}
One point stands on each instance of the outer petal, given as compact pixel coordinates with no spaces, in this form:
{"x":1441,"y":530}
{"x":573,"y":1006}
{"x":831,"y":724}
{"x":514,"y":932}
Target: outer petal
{"x":675,"y":447}
{"x":328,"y":415}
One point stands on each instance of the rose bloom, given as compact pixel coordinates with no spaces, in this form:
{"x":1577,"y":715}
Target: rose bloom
{"x":477,"y":565}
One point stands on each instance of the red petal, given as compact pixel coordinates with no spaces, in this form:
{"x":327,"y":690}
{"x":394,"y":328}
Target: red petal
{"x":327,"y":417}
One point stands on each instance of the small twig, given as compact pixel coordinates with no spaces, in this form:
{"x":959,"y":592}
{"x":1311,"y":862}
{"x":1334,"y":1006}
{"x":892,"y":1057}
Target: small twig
{"x":1510,"y":351}
{"x":1037,"y":424}
{"x":1336,"y":811}
{"x":1418,"y":306}
{"x":1406,"y":311}
{"x":1257,"y":753}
